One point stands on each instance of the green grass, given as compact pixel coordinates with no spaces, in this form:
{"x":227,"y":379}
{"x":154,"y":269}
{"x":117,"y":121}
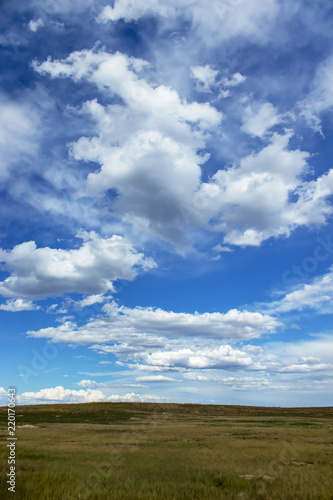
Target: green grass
{"x":142,"y":451}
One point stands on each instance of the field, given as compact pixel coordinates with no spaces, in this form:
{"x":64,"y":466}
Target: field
{"x":142,"y":451}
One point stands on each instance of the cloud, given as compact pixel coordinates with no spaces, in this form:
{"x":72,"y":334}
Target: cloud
{"x":20,"y":124}
{"x":220,"y":248}
{"x":153,"y":126}
{"x":148,"y":327}
{"x":225,"y":19}
{"x":44,"y":272}
{"x":91,"y":384}
{"x":205,"y":76}
{"x":35,"y":25}
{"x":60,"y":394}
{"x":257,"y":124}
{"x":320,"y":97}
{"x":19,"y":305}
{"x":236,"y":79}
{"x":308,"y":355}
{"x":161,"y":340}
{"x":254,"y":202}
{"x":317,"y":296}
{"x":156,"y":378}
{"x":236,"y":383}
{"x":132,"y":11}
{"x":224,"y":357}
{"x":263,"y":196}
{"x":132,"y":397}
{"x":56,"y":394}
{"x":92,"y":299}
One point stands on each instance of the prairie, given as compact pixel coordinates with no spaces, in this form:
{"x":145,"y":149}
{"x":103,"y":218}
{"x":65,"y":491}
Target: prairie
{"x":142,"y":451}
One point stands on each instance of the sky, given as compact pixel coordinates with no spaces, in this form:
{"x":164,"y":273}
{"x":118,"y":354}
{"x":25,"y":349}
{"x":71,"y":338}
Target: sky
{"x":166,"y":183}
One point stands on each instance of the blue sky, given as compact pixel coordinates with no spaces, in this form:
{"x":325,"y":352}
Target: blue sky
{"x":166,"y":201}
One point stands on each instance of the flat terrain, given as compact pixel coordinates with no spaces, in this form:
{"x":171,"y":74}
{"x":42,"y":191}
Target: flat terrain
{"x":145,"y":451}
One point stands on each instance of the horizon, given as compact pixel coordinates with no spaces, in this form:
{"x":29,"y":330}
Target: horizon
{"x":167,"y":186}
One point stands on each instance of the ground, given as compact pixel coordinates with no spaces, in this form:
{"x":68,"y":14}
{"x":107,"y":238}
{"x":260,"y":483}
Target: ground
{"x":142,"y":451}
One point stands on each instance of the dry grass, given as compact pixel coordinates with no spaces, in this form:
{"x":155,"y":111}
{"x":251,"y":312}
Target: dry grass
{"x":155,"y":451}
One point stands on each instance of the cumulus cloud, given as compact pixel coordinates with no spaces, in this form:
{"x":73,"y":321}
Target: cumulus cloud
{"x":42,"y":272}
{"x":253,"y":200}
{"x":16,"y":305}
{"x":259,"y":123}
{"x":154,"y":126}
{"x":60,"y":394}
{"x":148,"y":327}
{"x":264,"y":196}
{"x":56,"y":394}
{"x":133,"y":397}
{"x":162,"y":340}
{"x":224,"y":357}
{"x":91,"y":384}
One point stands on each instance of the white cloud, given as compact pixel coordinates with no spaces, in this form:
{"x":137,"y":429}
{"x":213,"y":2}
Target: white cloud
{"x":153,"y":126}
{"x":58,"y":393}
{"x":19,"y":125}
{"x":224,"y":19}
{"x":234,"y":80}
{"x":254,"y":197}
{"x":221,"y":248}
{"x":237,"y":383}
{"x":19,"y":305}
{"x":92,"y":299}
{"x":147,"y":327}
{"x":224,"y":357}
{"x":130,"y":10}
{"x":320,"y":98}
{"x":155,"y":378}
{"x":91,"y":384}
{"x":318,"y":296}
{"x":259,"y":123}
{"x":43,"y":272}
{"x":146,"y":368}
{"x":132,"y":397}
{"x":205,"y":76}
{"x":155,"y":340}
{"x":249,"y":202}
{"x":304,"y":356}
{"x":35,"y":25}
{"x":3,"y":398}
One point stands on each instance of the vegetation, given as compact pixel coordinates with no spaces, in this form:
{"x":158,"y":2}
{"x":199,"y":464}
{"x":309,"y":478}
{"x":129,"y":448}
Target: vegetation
{"x":143,"y":451}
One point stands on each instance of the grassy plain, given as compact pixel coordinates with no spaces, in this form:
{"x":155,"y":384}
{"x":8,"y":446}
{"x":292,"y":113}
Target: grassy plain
{"x":143,"y":451}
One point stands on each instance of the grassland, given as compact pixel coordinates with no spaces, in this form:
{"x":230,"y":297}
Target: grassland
{"x":143,"y":451}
